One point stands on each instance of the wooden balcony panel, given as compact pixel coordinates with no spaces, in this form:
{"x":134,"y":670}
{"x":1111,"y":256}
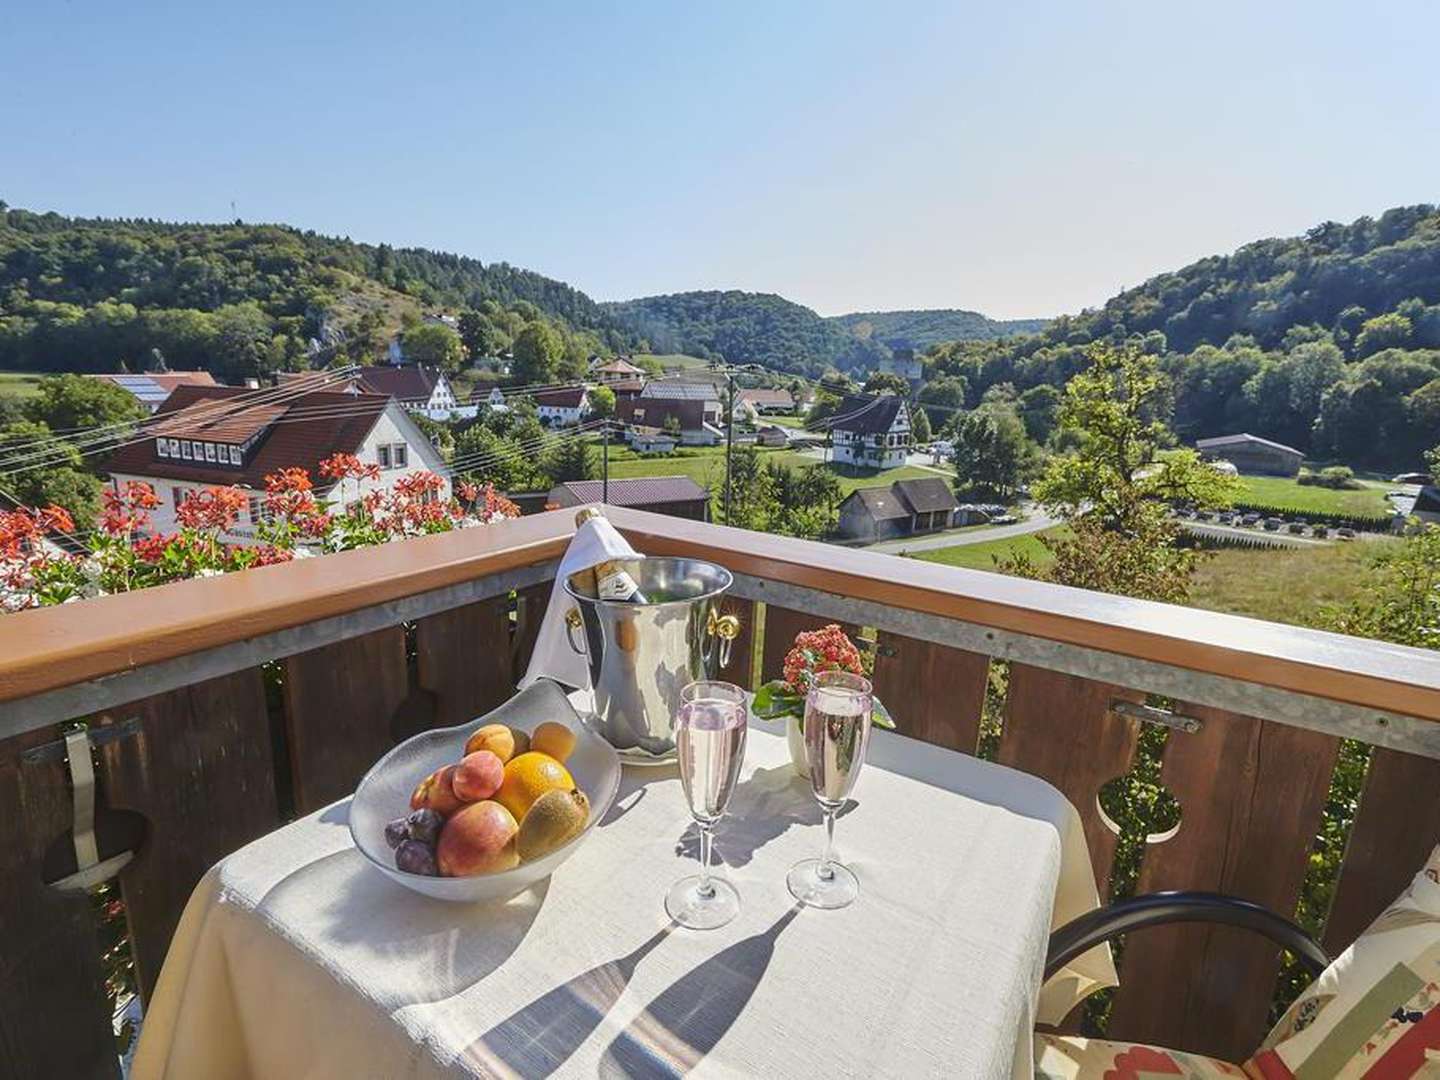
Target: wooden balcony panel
{"x":1251,"y":795}
{"x":342,"y":707}
{"x":935,"y":693}
{"x":1061,"y":729}
{"x":201,"y":772}
{"x":1397,"y":825}
{"x":463,"y":659}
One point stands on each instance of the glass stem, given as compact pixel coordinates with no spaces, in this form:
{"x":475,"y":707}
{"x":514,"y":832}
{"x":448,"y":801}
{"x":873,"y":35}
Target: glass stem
{"x":706,"y":888}
{"x":825,"y":871}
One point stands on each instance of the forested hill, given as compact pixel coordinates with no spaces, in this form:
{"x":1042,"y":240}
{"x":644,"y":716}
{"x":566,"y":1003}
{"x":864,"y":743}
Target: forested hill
{"x":88,"y":294}
{"x":1329,"y":342}
{"x":921,"y":329}
{"x":764,"y":328}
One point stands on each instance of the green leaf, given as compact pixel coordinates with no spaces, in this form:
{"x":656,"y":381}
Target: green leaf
{"x":775,"y":700}
{"x":880,"y":715}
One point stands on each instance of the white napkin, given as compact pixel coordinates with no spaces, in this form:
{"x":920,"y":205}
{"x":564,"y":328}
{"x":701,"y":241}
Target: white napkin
{"x":595,"y":542}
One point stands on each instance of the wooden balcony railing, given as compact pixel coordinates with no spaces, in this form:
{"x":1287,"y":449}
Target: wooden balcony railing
{"x":228,"y":705}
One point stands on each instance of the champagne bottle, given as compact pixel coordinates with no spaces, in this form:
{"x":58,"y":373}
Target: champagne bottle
{"x":610,"y":579}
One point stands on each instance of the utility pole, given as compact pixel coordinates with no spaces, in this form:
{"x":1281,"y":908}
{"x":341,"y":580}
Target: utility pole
{"x":729,"y":435}
{"x":605,"y":462}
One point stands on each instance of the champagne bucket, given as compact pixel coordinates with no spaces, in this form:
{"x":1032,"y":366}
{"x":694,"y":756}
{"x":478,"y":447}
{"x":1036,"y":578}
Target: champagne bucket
{"x":641,"y":655}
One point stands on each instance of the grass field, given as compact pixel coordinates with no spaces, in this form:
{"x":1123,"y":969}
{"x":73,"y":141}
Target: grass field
{"x":1287,"y":586}
{"x":18,"y":384}
{"x":982,"y":556}
{"x":1281,"y":491}
{"x":706,"y":465}
{"x":672,"y":360}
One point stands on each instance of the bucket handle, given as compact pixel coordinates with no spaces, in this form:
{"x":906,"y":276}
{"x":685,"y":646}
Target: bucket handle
{"x":725,"y":629}
{"x":572,"y":623}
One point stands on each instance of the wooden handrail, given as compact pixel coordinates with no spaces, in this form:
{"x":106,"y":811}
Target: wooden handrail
{"x":54,"y":647}
{"x":1374,"y":674}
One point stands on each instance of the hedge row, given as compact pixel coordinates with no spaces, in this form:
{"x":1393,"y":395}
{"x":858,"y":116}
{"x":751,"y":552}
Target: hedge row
{"x":1359,"y":522}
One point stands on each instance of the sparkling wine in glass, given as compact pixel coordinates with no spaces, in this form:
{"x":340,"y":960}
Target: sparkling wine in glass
{"x":837,"y":730}
{"x":710,"y":741}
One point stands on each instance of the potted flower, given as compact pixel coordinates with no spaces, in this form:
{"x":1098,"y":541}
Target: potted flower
{"x":814,"y":651}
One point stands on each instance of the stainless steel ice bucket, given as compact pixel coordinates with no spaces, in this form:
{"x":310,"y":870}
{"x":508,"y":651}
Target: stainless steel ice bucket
{"x":641,"y":655}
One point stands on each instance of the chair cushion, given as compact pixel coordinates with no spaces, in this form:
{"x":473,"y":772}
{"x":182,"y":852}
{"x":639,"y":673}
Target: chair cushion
{"x":1372,"y":1012}
{"x":1067,"y":1057}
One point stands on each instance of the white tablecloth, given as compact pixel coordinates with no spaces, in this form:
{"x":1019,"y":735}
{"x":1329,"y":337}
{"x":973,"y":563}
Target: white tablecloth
{"x":295,"y":958}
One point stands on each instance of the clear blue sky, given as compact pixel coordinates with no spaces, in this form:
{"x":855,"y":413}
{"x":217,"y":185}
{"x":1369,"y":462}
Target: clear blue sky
{"x":1020,"y":159}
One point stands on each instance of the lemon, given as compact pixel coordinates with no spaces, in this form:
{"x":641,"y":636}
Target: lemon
{"x":527,"y":777}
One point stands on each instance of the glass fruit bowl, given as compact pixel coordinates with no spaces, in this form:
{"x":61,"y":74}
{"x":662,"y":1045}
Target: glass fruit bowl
{"x":384,"y":793}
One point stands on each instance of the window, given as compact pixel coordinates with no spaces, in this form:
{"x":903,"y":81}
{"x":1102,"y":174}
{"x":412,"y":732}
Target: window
{"x":162,"y":447}
{"x":234,"y":455}
{"x":177,"y":496}
{"x":400,"y":454}
{"x":257,"y":509}
{"x":185,"y":449}
{"x":382,"y":455}
{"x":209,"y":451}
{"x":199,"y":449}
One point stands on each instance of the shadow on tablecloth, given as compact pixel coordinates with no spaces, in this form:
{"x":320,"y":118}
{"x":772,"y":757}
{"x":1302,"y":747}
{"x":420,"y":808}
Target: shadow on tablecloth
{"x":538,"y":1039}
{"x":692,"y":1014}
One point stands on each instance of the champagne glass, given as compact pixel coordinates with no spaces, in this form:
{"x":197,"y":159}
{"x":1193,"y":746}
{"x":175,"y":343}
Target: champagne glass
{"x":837,"y":730}
{"x":710,"y":743}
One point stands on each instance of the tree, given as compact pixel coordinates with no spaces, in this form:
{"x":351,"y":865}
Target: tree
{"x":1388,"y":331}
{"x":752,"y":491}
{"x":944,"y":399}
{"x":602,"y":402}
{"x":434,"y":344}
{"x":536,"y":351}
{"x":920,"y":427}
{"x":54,"y":472}
{"x":1114,"y":490}
{"x":992,"y":454}
{"x":1401,"y":600}
{"x":884,"y":382}
{"x":68,"y":402}
{"x":572,"y":459}
{"x":807,"y":500}
{"x":1038,"y":408}
{"x":242,"y":340}
{"x":480,"y":336}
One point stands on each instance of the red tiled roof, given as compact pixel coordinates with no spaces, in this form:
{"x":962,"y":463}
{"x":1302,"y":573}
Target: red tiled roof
{"x":768,"y":397}
{"x":631,"y":491}
{"x":407,"y":383}
{"x":572,"y":397}
{"x":620,"y":366}
{"x":309,"y":428}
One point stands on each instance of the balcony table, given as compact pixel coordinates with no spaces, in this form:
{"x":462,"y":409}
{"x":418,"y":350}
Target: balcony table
{"x":296,"y":958}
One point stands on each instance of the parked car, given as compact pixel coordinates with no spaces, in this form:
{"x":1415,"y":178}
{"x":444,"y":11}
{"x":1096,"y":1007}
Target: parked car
{"x":1297,"y":528}
{"x":1250,"y":519}
{"x":1345,"y":534}
{"x":1004,"y":519}
{"x":1272,"y":524}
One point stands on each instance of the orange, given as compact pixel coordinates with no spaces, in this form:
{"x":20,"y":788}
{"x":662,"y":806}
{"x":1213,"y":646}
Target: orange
{"x":527,"y":777}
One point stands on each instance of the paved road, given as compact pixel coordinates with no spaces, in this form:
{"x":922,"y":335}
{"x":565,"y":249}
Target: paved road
{"x":1036,"y":522}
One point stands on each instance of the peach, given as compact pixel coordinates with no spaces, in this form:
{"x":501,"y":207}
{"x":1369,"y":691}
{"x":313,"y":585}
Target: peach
{"x":555,"y":739}
{"x":497,"y":738}
{"x":478,"y":839}
{"x":478,"y":776}
{"x":436,"y":792}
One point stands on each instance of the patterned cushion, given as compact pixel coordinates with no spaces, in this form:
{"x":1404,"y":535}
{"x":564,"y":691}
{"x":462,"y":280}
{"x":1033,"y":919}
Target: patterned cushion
{"x":1064,"y":1057}
{"x":1372,"y":1012}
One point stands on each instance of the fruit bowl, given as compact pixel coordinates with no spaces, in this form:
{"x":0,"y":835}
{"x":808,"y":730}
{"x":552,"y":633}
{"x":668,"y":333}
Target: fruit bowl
{"x":384,"y":793}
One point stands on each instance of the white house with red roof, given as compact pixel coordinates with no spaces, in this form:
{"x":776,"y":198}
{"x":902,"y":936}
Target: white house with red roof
{"x":617,"y":370}
{"x":207,"y":436}
{"x":561,"y":408}
{"x":152,"y":388}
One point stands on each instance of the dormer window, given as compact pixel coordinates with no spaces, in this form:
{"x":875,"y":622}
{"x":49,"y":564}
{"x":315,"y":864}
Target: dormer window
{"x":162,"y":447}
{"x":185,"y":451}
{"x":209,"y":451}
{"x":234,"y":455}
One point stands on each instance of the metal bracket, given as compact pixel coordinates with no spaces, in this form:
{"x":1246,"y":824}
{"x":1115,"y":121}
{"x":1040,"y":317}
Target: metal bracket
{"x":90,"y":870}
{"x":1149,"y":714}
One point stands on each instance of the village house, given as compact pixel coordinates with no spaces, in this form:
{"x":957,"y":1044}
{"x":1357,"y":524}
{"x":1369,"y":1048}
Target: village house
{"x":648,"y":440}
{"x":904,"y":363}
{"x":685,"y":419}
{"x":678,"y":496}
{"x":208,"y":436}
{"x":905,"y":508}
{"x":871,"y":432}
{"x":617,"y":370}
{"x":492,"y":399}
{"x":414,"y":386}
{"x":765,"y":401}
{"x":1252,"y":454}
{"x":561,"y":408}
{"x":686,"y":390}
{"x":151,"y":389}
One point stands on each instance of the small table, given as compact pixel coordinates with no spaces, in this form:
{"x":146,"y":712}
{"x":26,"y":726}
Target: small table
{"x":296,"y":958}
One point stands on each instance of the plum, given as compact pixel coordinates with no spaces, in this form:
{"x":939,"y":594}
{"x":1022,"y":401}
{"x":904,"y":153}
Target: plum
{"x":416,"y":858}
{"x":424,"y":825}
{"x":397,"y":831}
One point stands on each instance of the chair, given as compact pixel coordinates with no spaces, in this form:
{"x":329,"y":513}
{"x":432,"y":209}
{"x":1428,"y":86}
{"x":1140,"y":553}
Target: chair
{"x":1373,"y":1010}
